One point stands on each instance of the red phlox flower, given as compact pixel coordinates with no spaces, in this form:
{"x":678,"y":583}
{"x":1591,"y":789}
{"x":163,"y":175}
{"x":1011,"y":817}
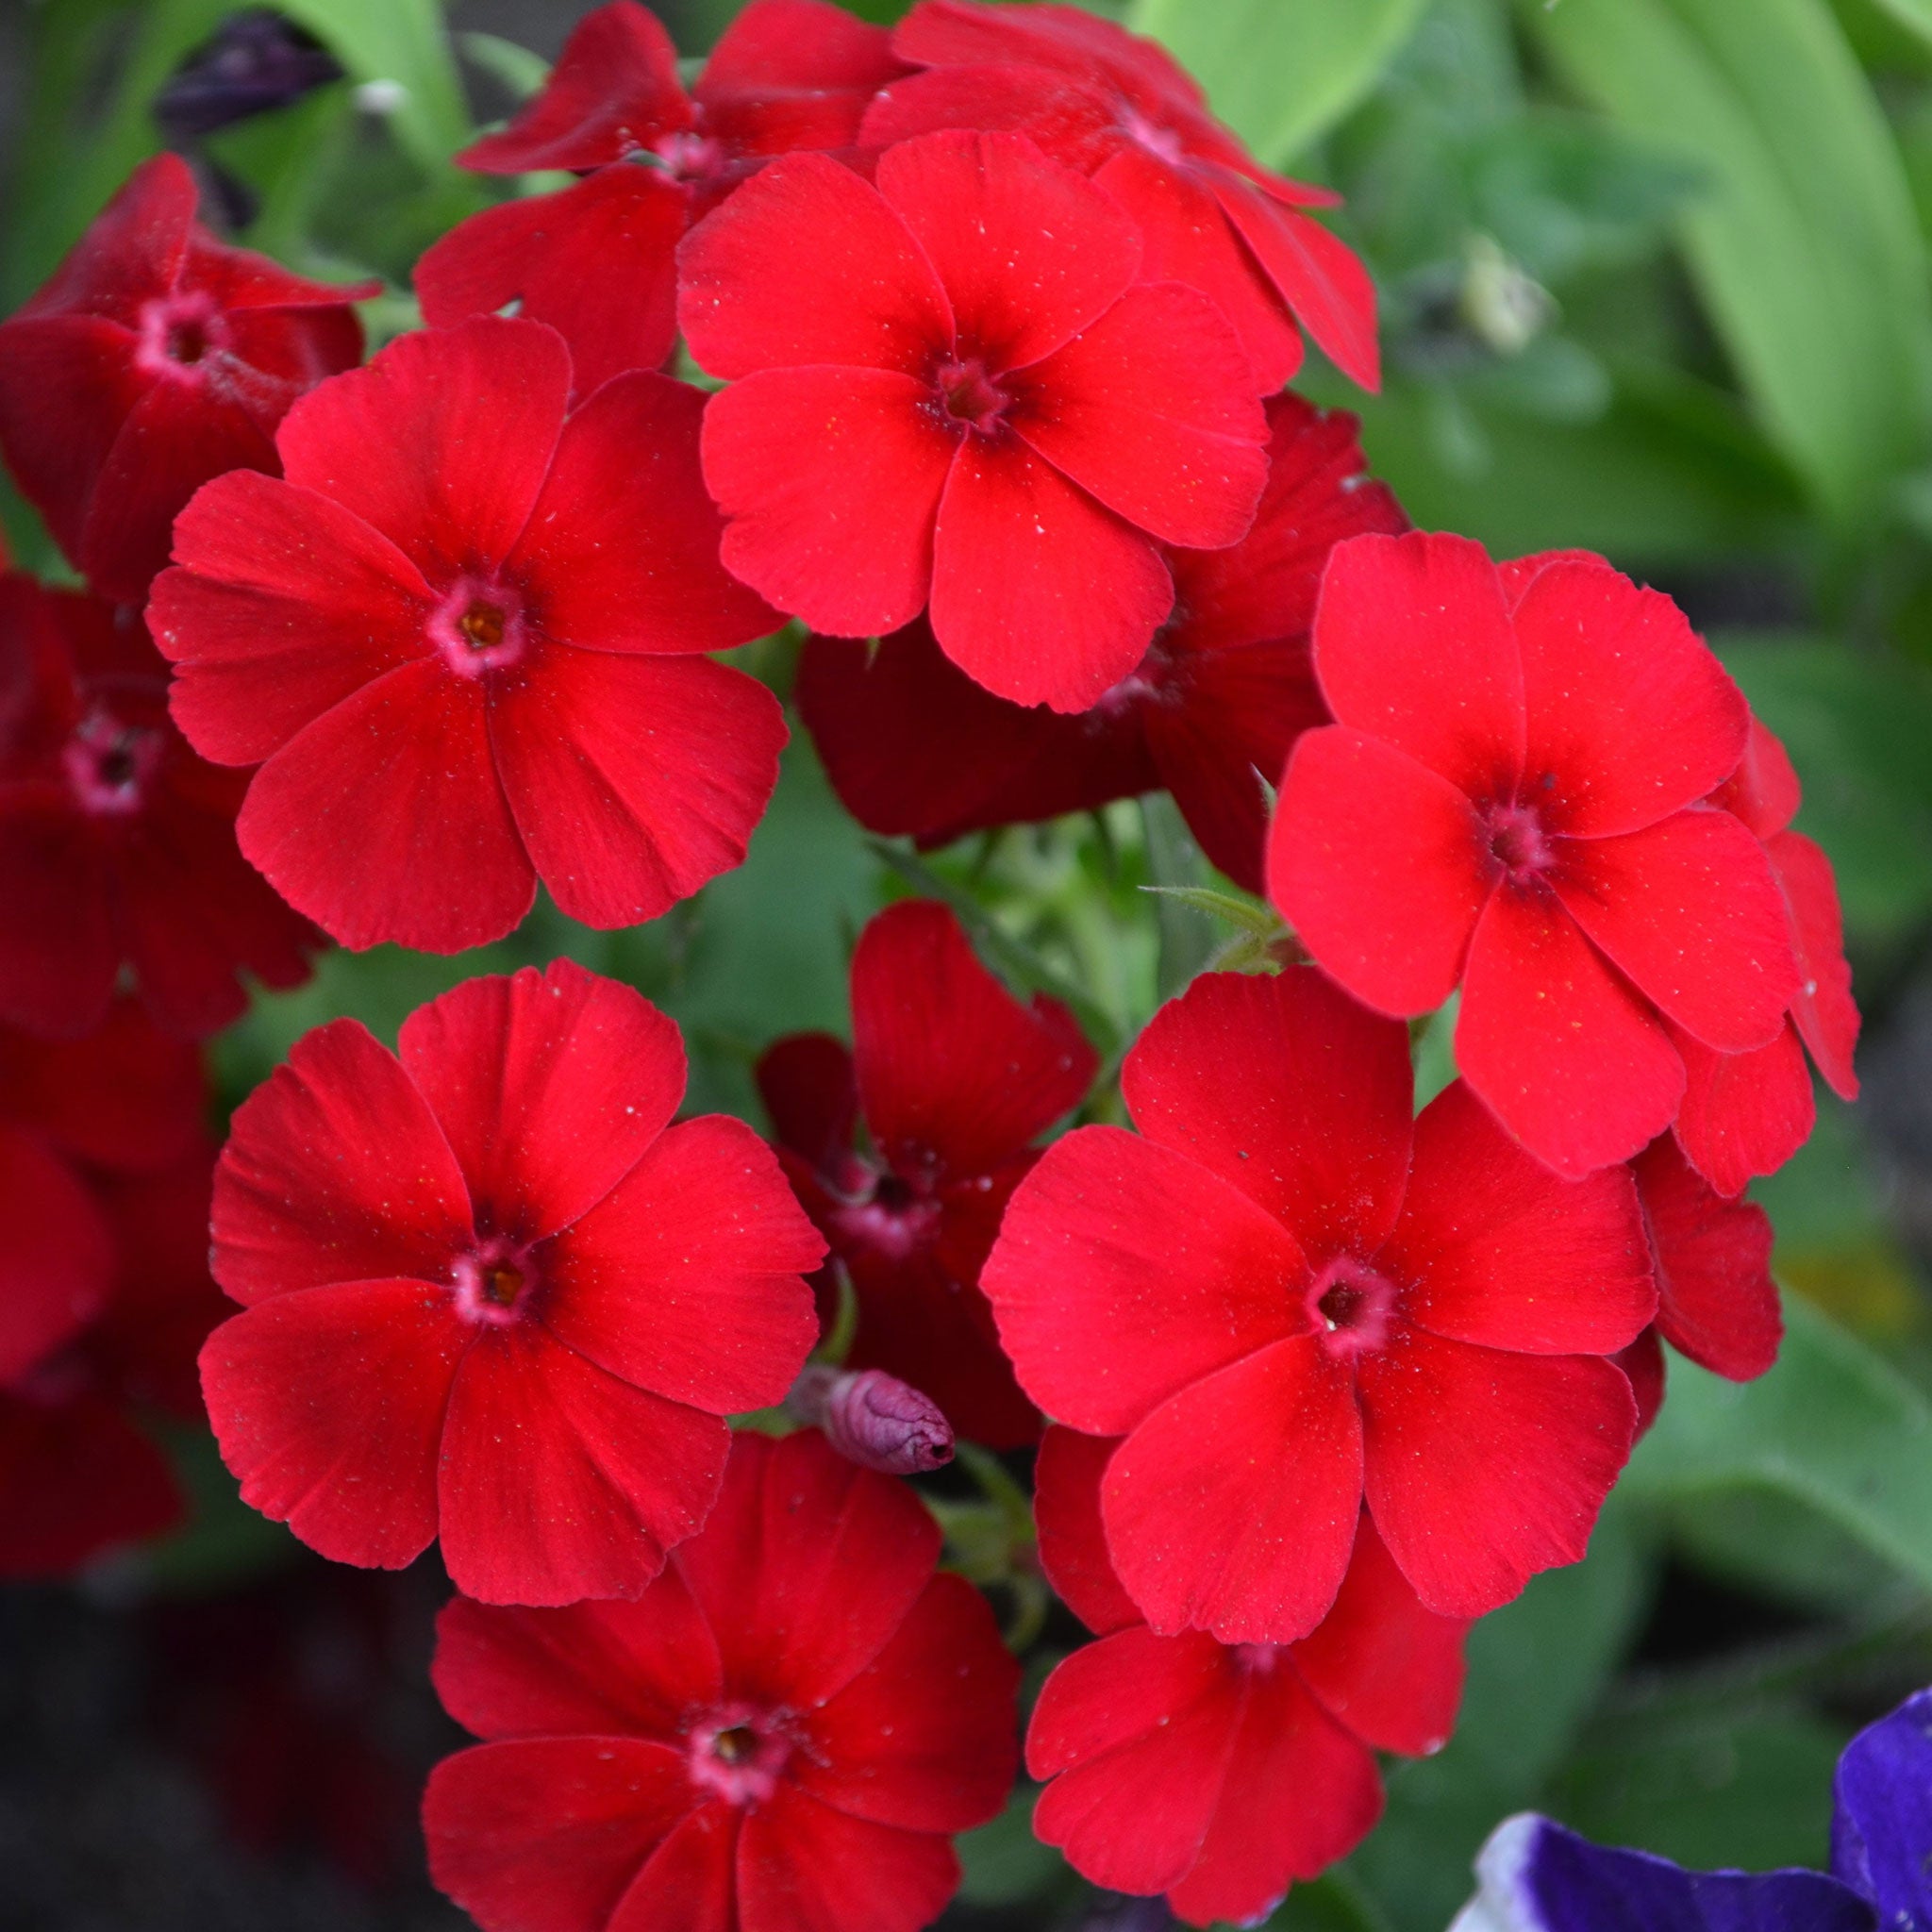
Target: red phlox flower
{"x":913,"y":746}
{"x":598,"y":261}
{"x":117,"y":844}
{"x":1119,"y":108}
{"x":1219,"y":1774}
{"x":1747,"y":1113}
{"x":460,"y":642}
{"x":1291,"y":1298}
{"x":153,"y":360}
{"x":781,"y":1735}
{"x":952,"y":1077}
{"x":1511,"y":802}
{"x":951,"y":392}
{"x":492,"y":1293}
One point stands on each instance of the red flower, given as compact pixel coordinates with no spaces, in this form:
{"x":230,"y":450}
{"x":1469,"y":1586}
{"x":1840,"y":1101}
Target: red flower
{"x":944,"y":395}
{"x":467,"y":659}
{"x":1747,"y":1113}
{"x":1219,"y":1774}
{"x":598,"y":260}
{"x":1117,"y":108}
{"x":952,"y":1076}
{"x":155,"y":359}
{"x":913,"y":745}
{"x":493,"y":1294}
{"x":1289,"y":1297}
{"x":1511,"y":801}
{"x":117,"y":844}
{"x":782,"y":1733}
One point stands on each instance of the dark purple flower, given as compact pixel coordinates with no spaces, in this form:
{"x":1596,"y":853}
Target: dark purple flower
{"x":1881,"y":1829}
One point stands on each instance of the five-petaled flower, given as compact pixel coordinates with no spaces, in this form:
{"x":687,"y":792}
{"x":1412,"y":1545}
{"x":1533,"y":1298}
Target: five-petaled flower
{"x":462,"y":635}
{"x":951,"y":391}
{"x":493,"y":1294}
{"x":953,"y":1078}
{"x":153,"y":360}
{"x":782,"y":1733}
{"x":1292,"y":1297}
{"x":1219,"y":1774}
{"x":1511,"y":801}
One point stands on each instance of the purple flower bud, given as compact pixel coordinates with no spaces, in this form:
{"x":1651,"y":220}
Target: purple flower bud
{"x":878,"y":1420}
{"x":255,"y":62}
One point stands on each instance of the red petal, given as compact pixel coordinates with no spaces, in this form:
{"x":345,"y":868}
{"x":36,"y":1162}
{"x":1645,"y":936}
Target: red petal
{"x":284,"y":605}
{"x":77,"y":1478}
{"x":1643,"y":1364}
{"x":1379,"y":865}
{"x":336,"y":1171}
{"x":954,"y":1075}
{"x":634,"y":780}
{"x":1073,"y":1544}
{"x":1483,"y":1467}
{"x":924,"y":1737}
{"x":810,"y":1094}
{"x":60,"y":952}
{"x":803,"y":1867}
{"x":1124,"y":1273}
{"x":684,"y":1279}
{"x":1039,"y":593}
{"x":1763,"y":791}
{"x":57,"y":1265}
{"x":1690,"y":911}
{"x":384,"y":818}
{"x":1070,"y":116}
{"x":688,"y":1881}
{"x":1560,"y":1048}
{"x":807,"y":46}
{"x":328,"y":1405}
{"x":598,"y":261}
{"x":546,"y":1834}
{"x":614,"y":87}
{"x":795,"y":1527}
{"x":1150,"y":409}
{"x":1232,"y":1507}
{"x":1629,"y":712}
{"x":550,"y":1088}
{"x":1500,"y":1250}
{"x":1029,"y":253}
{"x":621,"y":550}
{"x":1289,"y":1090}
{"x":607,"y":1668}
{"x":804,"y":264}
{"x":1388,"y":1668}
{"x":132,"y":250}
{"x":1413,"y":645}
{"x":1822,"y":1010}
{"x":1717,"y":1302}
{"x":831,"y":478}
{"x":1743,"y":1114}
{"x":401,"y":442}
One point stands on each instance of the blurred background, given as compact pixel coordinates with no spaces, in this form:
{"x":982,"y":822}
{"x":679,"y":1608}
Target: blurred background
{"x":1654,"y":278}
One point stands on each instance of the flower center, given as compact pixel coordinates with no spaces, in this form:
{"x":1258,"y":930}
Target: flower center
{"x":1518,"y":842}
{"x":179,"y":332}
{"x":1353,"y":1308}
{"x":686,"y":155}
{"x":739,"y":1752}
{"x":1258,"y":1658}
{"x":109,"y":763}
{"x":479,"y":626}
{"x":889,"y":1214}
{"x":969,"y":395}
{"x":493,"y":1283}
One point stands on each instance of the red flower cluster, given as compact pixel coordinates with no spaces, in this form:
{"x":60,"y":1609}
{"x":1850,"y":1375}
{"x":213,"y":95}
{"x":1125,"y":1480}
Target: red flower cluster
{"x":782,"y":1733}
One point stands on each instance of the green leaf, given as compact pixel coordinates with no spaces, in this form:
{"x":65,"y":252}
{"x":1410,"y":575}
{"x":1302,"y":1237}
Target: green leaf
{"x":1805,"y":244}
{"x":518,"y":69}
{"x":400,"y":42}
{"x":1280,"y":73}
{"x":1914,"y":14}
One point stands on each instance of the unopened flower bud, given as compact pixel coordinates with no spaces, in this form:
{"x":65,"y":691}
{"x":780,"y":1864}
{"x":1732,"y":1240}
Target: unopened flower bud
{"x":876,"y":1420}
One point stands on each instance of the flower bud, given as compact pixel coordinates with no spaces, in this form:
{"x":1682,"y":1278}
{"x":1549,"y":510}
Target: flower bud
{"x":876,"y":1420}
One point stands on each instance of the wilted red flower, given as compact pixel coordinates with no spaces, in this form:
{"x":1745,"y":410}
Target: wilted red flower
{"x":598,"y":261}
{"x":941,"y":398}
{"x":784,"y":1731}
{"x":494,"y":1295}
{"x":952,"y":1077}
{"x":117,"y":844}
{"x":460,"y":634}
{"x":1117,"y":107}
{"x":154,"y":359}
{"x":1219,"y":1774}
{"x":1511,"y":802}
{"x":913,"y":745}
{"x":1291,"y":1298}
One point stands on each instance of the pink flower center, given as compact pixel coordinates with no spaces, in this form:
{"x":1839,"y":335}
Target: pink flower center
{"x":891,"y":1216}
{"x":1258,"y":1660}
{"x":1518,"y":842}
{"x":969,"y":395}
{"x":1353,"y":1308}
{"x":109,"y":764}
{"x":690,"y":157}
{"x":1158,"y":141}
{"x":738,"y":1751}
{"x":481,"y":626}
{"x":493,"y":1283}
{"x":179,"y":332}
